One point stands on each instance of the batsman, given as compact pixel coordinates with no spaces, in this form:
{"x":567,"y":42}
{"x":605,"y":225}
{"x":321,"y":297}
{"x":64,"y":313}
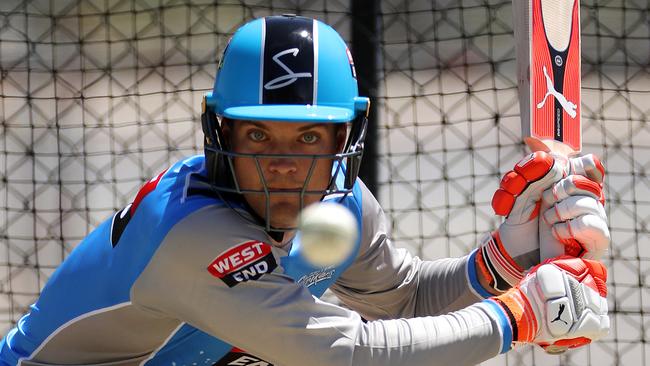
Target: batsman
{"x":205,"y":266}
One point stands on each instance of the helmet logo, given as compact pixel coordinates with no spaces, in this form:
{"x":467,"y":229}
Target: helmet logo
{"x":354,"y":72}
{"x":290,"y":77}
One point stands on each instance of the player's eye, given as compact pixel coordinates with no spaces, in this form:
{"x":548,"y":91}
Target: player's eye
{"x":257,"y":135}
{"x":309,"y":138}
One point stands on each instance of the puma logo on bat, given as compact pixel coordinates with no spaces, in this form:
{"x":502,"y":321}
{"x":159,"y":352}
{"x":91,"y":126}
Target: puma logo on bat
{"x":568,"y":106}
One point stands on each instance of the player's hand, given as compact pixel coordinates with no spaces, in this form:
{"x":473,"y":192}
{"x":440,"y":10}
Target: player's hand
{"x":575,"y":220}
{"x":560,"y":304}
{"x":515,"y":247}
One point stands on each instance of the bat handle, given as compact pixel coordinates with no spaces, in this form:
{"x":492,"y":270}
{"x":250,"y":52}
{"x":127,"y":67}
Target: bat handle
{"x":535,"y":144}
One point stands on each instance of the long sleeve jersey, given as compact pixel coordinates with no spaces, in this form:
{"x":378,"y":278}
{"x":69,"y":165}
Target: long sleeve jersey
{"x":180,"y":278}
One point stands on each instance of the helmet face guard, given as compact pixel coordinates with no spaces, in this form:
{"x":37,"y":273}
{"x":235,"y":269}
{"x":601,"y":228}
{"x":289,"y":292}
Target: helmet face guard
{"x":290,"y":69}
{"x":223,"y":180}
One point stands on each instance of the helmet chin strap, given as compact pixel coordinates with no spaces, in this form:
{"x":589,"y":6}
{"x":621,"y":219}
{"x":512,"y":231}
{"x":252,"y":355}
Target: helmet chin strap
{"x":354,"y":145}
{"x":278,"y":236}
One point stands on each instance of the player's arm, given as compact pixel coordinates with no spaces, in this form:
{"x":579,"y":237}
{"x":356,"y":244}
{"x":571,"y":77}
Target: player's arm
{"x":386,"y":282}
{"x":274,"y":318}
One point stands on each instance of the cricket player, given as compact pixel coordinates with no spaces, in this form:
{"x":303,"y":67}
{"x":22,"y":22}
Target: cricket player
{"x":204,"y":268}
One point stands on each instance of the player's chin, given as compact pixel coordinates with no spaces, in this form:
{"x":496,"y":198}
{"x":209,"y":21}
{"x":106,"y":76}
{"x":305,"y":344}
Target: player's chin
{"x":284,"y":213}
{"x":285,"y":209}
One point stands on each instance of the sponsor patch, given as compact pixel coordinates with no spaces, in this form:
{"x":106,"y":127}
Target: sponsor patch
{"x":243,"y":262}
{"x":238,"y":357}
{"x":316,"y":276}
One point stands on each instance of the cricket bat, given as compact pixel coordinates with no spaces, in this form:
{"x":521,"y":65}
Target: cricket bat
{"x":547,"y":42}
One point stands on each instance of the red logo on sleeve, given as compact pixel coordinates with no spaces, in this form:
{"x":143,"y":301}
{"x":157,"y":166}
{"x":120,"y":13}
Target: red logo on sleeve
{"x":122,"y":217}
{"x":238,"y":357}
{"x":243,"y":262}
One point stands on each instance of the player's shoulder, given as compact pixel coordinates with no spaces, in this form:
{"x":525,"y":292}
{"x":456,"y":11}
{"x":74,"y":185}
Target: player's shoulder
{"x":163,"y":202}
{"x":201,"y":210}
{"x":218,"y":225}
{"x":175,"y":192}
{"x":193,"y":216}
{"x":212,"y":247}
{"x":360,"y":198}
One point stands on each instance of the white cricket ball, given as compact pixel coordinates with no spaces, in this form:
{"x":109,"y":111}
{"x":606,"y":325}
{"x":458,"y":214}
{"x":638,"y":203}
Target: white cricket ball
{"x":328,"y":233}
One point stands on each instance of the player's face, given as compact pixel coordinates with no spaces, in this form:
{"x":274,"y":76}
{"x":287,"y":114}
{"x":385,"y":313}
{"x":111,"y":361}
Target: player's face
{"x":283,"y":173}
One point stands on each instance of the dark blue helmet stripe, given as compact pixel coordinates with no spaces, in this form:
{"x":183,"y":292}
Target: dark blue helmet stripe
{"x":315,"y":78}
{"x":261,"y":74}
{"x":288,"y":64}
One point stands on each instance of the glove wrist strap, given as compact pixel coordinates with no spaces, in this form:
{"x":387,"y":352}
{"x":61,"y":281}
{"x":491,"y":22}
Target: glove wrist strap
{"x":520,"y":315}
{"x":501,"y":271}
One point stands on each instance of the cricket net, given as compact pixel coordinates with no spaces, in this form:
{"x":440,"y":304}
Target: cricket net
{"x":98,"y":96}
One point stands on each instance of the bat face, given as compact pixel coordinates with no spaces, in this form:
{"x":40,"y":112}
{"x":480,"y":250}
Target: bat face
{"x":547,"y":33}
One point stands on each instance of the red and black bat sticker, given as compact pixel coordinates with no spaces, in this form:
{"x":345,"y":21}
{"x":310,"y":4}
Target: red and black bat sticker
{"x":243,"y":262}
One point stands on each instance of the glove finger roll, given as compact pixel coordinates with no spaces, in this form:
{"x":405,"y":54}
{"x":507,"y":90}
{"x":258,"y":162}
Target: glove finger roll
{"x":572,"y":185}
{"x":589,"y":166}
{"x":573,"y":207}
{"x":589,"y":231}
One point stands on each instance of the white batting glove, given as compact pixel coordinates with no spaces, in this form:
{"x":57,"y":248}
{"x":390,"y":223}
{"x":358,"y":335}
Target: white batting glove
{"x":506,"y":253}
{"x":575,"y":222}
{"x":560,"y":304}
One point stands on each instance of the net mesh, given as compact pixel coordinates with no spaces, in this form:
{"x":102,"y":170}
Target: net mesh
{"x":98,"y":96}
{"x":450,"y":128}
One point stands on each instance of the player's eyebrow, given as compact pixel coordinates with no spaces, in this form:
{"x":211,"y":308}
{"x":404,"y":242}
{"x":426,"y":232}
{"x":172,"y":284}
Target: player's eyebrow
{"x":255,"y":123}
{"x":309,"y":126}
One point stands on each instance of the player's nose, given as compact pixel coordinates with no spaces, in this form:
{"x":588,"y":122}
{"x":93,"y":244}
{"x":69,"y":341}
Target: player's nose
{"x":283,"y":166}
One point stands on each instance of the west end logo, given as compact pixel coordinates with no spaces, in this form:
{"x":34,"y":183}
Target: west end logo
{"x":243,"y":262}
{"x":290,"y":77}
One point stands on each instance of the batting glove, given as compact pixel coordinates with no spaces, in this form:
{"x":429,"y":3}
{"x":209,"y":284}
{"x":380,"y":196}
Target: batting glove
{"x":506,"y":253}
{"x":575,"y":222}
{"x":560,"y":304}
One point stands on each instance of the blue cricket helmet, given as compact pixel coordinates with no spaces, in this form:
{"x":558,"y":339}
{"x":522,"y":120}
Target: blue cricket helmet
{"x":287,"y":68}
{"x":283,"y":68}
